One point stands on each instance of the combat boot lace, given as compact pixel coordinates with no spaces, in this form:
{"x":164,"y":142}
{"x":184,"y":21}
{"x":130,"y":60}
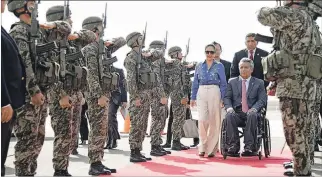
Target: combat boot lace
{"x":97,"y":168}
{"x":135,"y":157}
{"x":155,"y":151}
{"x":61,"y":173}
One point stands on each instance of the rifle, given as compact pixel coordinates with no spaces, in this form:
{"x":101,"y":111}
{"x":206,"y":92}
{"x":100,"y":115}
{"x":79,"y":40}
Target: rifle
{"x":270,"y":40}
{"x":34,"y":34}
{"x":187,"y":50}
{"x":101,"y":46}
{"x":63,"y":43}
{"x":163,"y":59}
{"x":72,"y":57}
{"x":140,"y":52}
{"x":109,"y":61}
{"x":263,"y":38}
{"x":43,"y":48}
{"x":166,"y":40}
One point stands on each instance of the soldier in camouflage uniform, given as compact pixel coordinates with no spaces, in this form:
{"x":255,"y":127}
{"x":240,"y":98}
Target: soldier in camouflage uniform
{"x":97,"y":97}
{"x":298,"y":38}
{"x":317,"y":123}
{"x":158,"y":110}
{"x":65,"y":121}
{"x":176,"y":89}
{"x":141,"y":80}
{"x":30,"y":125}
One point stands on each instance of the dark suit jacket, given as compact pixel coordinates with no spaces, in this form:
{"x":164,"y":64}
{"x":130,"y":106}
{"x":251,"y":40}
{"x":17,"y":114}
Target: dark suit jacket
{"x":227,"y":66}
{"x":13,"y":85}
{"x":256,"y":94}
{"x":258,"y":68}
{"x":120,"y":95}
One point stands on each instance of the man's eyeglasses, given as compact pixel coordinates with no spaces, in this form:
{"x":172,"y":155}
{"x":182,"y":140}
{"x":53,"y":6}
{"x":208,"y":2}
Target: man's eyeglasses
{"x":210,"y":52}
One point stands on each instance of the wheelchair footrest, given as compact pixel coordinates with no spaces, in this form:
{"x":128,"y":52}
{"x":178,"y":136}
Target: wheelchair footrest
{"x":233,"y":155}
{"x":250,"y":155}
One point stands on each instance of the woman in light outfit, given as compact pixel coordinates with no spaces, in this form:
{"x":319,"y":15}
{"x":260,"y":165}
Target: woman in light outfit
{"x":208,"y":89}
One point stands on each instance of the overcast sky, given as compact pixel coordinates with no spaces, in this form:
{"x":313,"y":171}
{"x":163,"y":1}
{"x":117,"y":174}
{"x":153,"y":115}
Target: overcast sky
{"x":226,"y":22}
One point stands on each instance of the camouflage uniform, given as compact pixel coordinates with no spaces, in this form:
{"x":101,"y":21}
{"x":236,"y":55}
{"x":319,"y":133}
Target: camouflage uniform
{"x":30,"y":125}
{"x":97,"y":115}
{"x":317,"y":123}
{"x":296,"y":91}
{"x":175,"y":87}
{"x":85,"y":37}
{"x":65,"y":121}
{"x":158,"y":110}
{"x":140,"y":89}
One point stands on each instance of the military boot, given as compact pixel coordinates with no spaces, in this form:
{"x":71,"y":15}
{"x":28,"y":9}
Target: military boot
{"x":176,"y":145}
{"x":97,"y":168}
{"x":135,"y":156}
{"x":138,"y":151}
{"x":183,"y":147}
{"x":155,"y":151}
{"x":163,"y":150}
{"x":61,"y":173}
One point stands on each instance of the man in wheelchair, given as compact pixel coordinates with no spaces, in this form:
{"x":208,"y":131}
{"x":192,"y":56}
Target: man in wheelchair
{"x":245,"y":97}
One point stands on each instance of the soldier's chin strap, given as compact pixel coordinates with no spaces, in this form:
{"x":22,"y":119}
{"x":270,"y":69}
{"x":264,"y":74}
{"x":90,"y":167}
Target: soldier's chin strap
{"x":26,"y":11}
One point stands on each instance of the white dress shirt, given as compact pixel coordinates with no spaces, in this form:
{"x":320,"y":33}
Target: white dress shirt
{"x":247,"y":81}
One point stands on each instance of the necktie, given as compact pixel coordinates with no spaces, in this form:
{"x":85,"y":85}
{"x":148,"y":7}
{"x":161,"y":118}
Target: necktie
{"x":251,"y":54}
{"x":244,"y":97}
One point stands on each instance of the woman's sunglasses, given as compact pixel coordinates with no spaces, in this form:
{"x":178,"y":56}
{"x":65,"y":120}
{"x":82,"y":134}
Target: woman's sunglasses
{"x":210,"y":52}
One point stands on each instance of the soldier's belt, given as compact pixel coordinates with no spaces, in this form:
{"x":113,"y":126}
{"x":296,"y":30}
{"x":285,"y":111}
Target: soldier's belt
{"x":144,"y":70}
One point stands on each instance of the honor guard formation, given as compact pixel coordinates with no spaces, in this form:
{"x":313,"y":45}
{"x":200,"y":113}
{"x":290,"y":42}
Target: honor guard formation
{"x":47,"y":67}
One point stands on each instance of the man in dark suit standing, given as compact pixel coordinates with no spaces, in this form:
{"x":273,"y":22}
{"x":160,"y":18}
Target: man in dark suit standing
{"x":13,"y":88}
{"x":226,"y":63}
{"x":245,"y":97}
{"x":118,"y":98}
{"x":253,"y":53}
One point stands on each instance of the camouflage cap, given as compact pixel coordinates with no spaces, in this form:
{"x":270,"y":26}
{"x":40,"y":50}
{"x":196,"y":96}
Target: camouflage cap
{"x":174,"y":50}
{"x":91,"y":23}
{"x":156,"y":44}
{"x":132,"y":38}
{"x":316,"y":6}
{"x":55,"y":13}
{"x":15,"y":4}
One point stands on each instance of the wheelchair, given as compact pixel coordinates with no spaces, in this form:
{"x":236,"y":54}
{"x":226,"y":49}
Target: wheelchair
{"x":263,"y":139}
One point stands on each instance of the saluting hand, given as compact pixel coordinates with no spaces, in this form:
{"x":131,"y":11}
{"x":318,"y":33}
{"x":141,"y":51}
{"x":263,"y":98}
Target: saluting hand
{"x":72,"y":37}
{"x":47,"y":25}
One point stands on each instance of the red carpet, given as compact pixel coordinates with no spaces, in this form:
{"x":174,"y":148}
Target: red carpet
{"x":187,"y":163}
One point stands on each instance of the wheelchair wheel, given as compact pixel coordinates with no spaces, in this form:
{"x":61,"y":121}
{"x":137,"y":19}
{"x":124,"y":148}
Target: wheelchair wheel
{"x":260,"y":155}
{"x":267,"y":139}
{"x":225,"y":156}
{"x":223,"y":139}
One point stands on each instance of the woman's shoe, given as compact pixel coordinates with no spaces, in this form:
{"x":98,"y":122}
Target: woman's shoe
{"x":201,"y":154}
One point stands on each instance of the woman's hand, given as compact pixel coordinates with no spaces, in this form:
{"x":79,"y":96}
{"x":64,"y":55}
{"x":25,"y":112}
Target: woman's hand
{"x":193,"y":103}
